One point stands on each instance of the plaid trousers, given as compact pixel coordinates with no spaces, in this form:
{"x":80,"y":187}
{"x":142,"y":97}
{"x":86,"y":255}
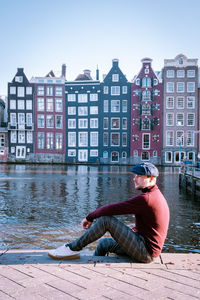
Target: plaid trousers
{"x":123,"y":241}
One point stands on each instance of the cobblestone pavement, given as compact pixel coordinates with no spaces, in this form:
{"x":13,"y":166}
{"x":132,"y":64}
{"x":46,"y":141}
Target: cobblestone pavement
{"x":32,"y":275}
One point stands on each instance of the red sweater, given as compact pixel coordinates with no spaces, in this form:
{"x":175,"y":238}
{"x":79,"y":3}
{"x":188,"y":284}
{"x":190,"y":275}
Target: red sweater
{"x":151,"y":216}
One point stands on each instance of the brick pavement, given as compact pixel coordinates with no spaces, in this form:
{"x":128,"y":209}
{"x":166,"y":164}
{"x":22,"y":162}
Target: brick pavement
{"x":32,"y":275}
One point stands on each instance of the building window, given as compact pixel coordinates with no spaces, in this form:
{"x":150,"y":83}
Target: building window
{"x":94,"y":123}
{"x":170,"y":102}
{"x":124,"y":106}
{"x":155,"y":81}
{"x":72,"y":152}
{"x":179,"y":119}
{"x":180,"y":87}
{"x":190,"y":138}
{"x":145,"y":124}
{"x":155,"y":154}
{"x":146,"y":95}
{"x":58,"y":91}
{"x":49,"y":140}
{"x":146,"y":141}
{"x":21,"y":120}
{"x":168,"y":157}
{"x":83,"y":139}
{"x":115,"y":106}
{"x":29,"y":104}
{"x":169,"y":138}
{"x":71,"y":123}
{"x":29,"y":90}
{"x":12,"y":90}
{"x":20,"y":104}
{"x":145,"y":156}
{"x":170,"y":119}
{"x":170,"y":74}
{"x":49,"y":104}
{"x":20,"y":91}
{"x":40,"y":121}
{"x":40,"y":90}
{"x":29,"y":119}
{"x":13,"y":137}
{"x":82,"y":155}
{"x":93,"y":97}
{"x":12,"y":104}
{"x":105,"y":139}
{"x":94,"y":110}
{"x":82,"y":98}
{"x":115,"y":77}
{"x":49,"y":121}
{"x":2,"y":141}
{"x":105,"y":123}
{"x":115,"y":139}
{"x":191,"y":156}
{"x":146,"y":109}
{"x":105,"y":154}
{"x":58,"y":104}
{"x":94,"y":153}
{"x":105,"y":105}
{"x":83,"y":123}
{"x":170,"y":87}
{"x":59,"y":141}
{"x":124,"y":123}
{"x":71,"y":139}
{"x":115,"y":90}
{"x":180,"y":103}
{"x":21,"y":137}
{"x":82,"y":110}
{"x":180,"y":138}
{"x":71,"y":97}
{"x":190,"y":87}
{"x":40,"y":104}
{"x":115,"y":123}
{"x":124,"y":155}
{"x":124,"y":139}
{"x":190,"y":102}
{"x":114,"y":156}
{"x":13,"y":119}
{"x":190,"y":73}
{"x":59,"y":122}
{"x":72,"y":110}
{"x":93,"y":139}
{"x":135,"y":153}
{"x":105,"y":89}
{"x":146,"y":82}
{"x":29,"y":137}
{"x":49,"y":91}
{"x":180,"y":73}
{"x":40,"y":140}
{"x":190,"y":119}
{"x":124,"y":89}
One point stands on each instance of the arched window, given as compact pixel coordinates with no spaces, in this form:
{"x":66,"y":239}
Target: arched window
{"x":146,"y":109}
{"x":146,"y":82}
{"x":146,"y":96}
{"x":124,"y":154}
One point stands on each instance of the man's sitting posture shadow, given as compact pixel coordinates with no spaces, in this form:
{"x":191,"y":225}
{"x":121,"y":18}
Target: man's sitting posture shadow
{"x":142,"y":243}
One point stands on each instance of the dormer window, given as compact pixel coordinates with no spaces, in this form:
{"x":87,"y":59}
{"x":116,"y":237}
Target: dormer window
{"x":146,"y":82}
{"x":115,"y":77}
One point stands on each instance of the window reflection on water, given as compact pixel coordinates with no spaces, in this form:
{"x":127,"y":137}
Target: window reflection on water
{"x":42,"y":206}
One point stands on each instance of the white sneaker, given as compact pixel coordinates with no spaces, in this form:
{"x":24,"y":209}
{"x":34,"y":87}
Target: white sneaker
{"x":63,"y":252}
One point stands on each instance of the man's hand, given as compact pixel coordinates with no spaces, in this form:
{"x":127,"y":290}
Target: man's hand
{"x":86,"y":224}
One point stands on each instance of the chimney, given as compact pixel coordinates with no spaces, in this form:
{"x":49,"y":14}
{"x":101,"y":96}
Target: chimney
{"x":97,"y":73}
{"x":115,"y":62}
{"x":87,"y":73}
{"x":63,"y":70}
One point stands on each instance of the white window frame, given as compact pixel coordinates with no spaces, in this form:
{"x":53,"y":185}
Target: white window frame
{"x":71,"y":123}
{"x":82,"y":135}
{"x":144,"y":147}
{"x":40,"y":140}
{"x":166,"y":160}
{"x":168,"y":100}
{"x":170,"y":138}
{"x":189,"y":138}
{"x":182,"y":119}
{"x":29,"y":90}
{"x":189,"y":84}
{"x":82,"y":98}
{"x":180,"y":138}
{"x":94,"y":123}
{"x":94,"y":139}
{"x":180,"y":73}
{"x":94,"y":110}
{"x":111,"y":139}
{"x":94,"y":153}
{"x":117,"y":121}
{"x":20,"y":91}
{"x":124,"y":135}
{"x":115,"y":90}
{"x":94,"y":97}
{"x":115,"y":77}
{"x":115,"y":106}
{"x":177,"y":103}
{"x":40,"y":104}
{"x":105,"y":106}
{"x":49,"y":104}
{"x":13,"y":136}
{"x":40,"y":116}
{"x":190,"y":114}
{"x":57,"y":123}
{"x":124,"y":106}
{"x":82,"y":110}
{"x":170,"y":120}
{"x":71,"y":139}
{"x":71,"y":110}
{"x":29,"y":137}
{"x":71,"y":97}
{"x":58,"y":105}
{"x":124,"y":89}
{"x":170,"y":73}
{"x":58,"y":91}
{"x":29,"y":104}
{"x":189,"y":75}
{"x":59,"y":141}
{"x":83,"y":123}
{"x":12,"y":90}
{"x":189,"y":98}
{"x":170,"y":87}
{"x":83,"y":155}
{"x":71,"y":152}
{"x":180,"y":87}
{"x":12,"y":104}
{"x":105,"y":90}
{"x":49,"y":121}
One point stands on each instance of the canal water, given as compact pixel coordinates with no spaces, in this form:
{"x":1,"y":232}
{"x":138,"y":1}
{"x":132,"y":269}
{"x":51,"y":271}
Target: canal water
{"x":42,"y":206}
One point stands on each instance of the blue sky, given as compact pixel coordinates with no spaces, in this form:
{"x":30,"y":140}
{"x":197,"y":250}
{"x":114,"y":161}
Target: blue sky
{"x":41,"y":35}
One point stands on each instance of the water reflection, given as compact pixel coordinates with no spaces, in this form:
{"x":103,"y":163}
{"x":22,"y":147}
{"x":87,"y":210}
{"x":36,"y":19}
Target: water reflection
{"x":42,"y":206}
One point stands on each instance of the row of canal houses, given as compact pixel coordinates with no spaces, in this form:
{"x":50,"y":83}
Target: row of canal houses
{"x":153,"y":118}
